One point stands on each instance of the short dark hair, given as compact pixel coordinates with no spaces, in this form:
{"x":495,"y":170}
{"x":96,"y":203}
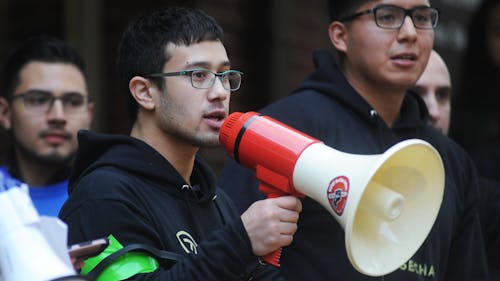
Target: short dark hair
{"x":142,"y":49}
{"x":342,"y":8}
{"x":39,"y":48}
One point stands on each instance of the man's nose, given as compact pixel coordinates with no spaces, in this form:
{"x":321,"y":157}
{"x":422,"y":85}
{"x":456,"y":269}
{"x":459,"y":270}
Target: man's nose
{"x":432,"y":105}
{"x":408,"y":29}
{"x":56,"y":110}
{"x":218,"y":91}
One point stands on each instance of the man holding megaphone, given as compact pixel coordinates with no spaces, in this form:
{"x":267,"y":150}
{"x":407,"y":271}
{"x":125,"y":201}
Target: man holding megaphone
{"x":357,"y":103}
{"x":150,"y":193}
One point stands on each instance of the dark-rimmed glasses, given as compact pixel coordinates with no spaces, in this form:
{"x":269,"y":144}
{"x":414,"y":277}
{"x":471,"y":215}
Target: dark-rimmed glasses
{"x":204,"y":79}
{"x":393,"y":17}
{"x":41,"y":102}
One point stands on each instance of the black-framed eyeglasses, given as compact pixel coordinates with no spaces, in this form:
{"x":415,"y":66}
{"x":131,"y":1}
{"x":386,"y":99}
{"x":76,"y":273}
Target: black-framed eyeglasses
{"x":204,"y":79}
{"x":393,"y":17}
{"x":40,"y":102}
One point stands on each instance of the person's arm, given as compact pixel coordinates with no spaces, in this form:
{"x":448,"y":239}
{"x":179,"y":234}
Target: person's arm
{"x":225,"y":255}
{"x":257,"y":270}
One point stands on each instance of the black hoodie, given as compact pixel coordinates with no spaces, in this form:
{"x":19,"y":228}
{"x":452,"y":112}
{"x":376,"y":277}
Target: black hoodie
{"x":122,"y":186}
{"x":326,"y":107}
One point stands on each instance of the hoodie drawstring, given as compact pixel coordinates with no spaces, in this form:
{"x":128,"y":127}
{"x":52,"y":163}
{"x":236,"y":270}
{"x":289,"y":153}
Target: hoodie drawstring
{"x":187,"y":189}
{"x":376,"y":119}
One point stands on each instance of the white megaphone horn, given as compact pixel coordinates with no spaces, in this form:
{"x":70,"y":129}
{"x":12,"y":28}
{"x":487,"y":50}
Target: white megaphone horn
{"x":386,"y":203}
{"x":25,"y":249}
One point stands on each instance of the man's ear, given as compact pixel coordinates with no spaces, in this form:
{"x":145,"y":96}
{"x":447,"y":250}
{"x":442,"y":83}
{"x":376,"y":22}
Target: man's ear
{"x":141,"y":89}
{"x":5,"y":113}
{"x":338,"y":34}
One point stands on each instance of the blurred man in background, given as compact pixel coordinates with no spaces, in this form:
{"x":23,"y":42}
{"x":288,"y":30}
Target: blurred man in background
{"x":434,"y":86}
{"x":44,"y":102}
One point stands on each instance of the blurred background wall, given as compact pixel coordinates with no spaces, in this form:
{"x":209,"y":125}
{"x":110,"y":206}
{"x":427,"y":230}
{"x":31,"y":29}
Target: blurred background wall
{"x":270,"y":41}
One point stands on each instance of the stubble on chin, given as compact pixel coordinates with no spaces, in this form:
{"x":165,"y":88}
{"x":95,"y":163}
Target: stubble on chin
{"x":52,"y":158}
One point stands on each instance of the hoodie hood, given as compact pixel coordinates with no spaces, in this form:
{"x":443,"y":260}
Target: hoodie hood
{"x":136,"y":157}
{"x":329,"y":80}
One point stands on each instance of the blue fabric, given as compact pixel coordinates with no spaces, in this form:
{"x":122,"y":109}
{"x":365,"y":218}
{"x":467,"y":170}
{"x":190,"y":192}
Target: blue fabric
{"x":48,"y":199}
{"x":6,"y":181}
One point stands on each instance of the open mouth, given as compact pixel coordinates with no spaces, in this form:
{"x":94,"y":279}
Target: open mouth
{"x":410,"y":57}
{"x":216,"y":116}
{"x":215,"y":119}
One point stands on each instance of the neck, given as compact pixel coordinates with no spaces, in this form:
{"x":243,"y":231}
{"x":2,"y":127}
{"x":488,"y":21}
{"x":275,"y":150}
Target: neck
{"x":179,"y":154}
{"x":387,"y":104}
{"x":386,"y":100}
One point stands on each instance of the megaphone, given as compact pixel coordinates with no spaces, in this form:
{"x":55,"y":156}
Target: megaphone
{"x":386,"y":203}
{"x":25,"y":249}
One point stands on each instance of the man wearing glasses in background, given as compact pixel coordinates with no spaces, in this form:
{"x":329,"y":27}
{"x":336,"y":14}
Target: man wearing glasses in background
{"x":357,"y":102}
{"x":151,"y":189}
{"x":44,"y":102}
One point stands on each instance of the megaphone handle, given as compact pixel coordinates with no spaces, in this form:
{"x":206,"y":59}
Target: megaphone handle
{"x":273,"y":258}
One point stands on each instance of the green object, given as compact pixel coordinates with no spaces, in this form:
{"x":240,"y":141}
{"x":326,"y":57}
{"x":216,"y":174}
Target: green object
{"x":125,"y":266}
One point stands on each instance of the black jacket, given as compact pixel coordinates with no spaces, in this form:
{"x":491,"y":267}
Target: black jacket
{"x":326,"y":107}
{"x":122,"y":186}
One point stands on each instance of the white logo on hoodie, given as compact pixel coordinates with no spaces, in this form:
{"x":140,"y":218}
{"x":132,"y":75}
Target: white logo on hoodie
{"x":187,"y":242}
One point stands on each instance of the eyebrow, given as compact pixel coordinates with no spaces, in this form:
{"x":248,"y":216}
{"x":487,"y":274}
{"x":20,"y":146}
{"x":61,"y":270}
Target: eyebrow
{"x":445,"y":88}
{"x":420,"y":86}
{"x":41,"y":91}
{"x":206,"y":64}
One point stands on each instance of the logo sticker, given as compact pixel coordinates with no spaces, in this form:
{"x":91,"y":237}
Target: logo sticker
{"x":337,"y":193}
{"x":187,"y":242}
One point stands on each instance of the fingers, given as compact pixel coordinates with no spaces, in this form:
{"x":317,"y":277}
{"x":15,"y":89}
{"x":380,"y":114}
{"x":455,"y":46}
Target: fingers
{"x":289,"y":202}
{"x":286,"y":239}
{"x":77,"y":263}
{"x":286,"y":228}
{"x":287,"y":209}
{"x":271,"y":223}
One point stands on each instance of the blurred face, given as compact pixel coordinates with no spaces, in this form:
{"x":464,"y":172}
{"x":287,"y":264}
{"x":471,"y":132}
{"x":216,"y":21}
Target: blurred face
{"x":434,"y":86}
{"x":47,"y":137}
{"x":190,"y":115}
{"x":493,"y":34}
{"x":385,"y":58}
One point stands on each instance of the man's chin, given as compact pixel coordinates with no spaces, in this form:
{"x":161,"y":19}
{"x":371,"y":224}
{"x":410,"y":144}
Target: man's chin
{"x":55,"y":159}
{"x":205,"y":140}
{"x":52,"y":155}
{"x":208,"y":143}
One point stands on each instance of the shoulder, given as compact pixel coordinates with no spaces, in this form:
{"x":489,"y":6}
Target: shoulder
{"x":308,"y":111}
{"x":309,"y":101}
{"x":6,"y":180}
{"x":456,"y":160}
{"x":460,"y":171}
{"x":101,"y":187}
{"x":449,"y":150}
{"x":103,"y":183}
